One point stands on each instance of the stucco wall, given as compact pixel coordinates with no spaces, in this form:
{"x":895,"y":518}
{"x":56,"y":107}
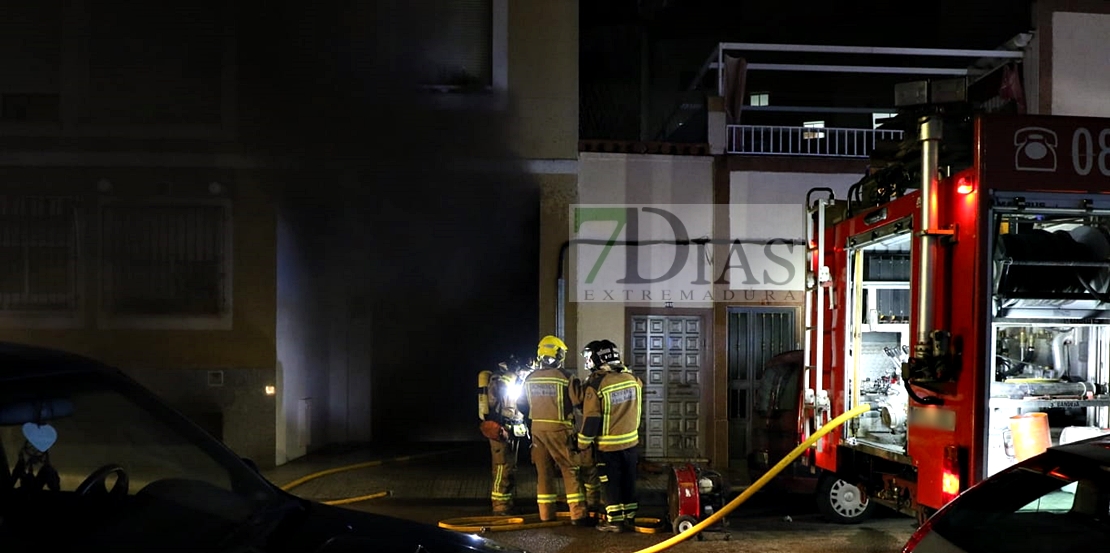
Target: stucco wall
{"x":606,"y":178}
{"x":1080,"y":65}
{"x":770,"y":205}
{"x":543,"y":78}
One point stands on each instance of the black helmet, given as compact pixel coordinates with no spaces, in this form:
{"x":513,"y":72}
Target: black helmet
{"x":601,"y":353}
{"x":510,"y":364}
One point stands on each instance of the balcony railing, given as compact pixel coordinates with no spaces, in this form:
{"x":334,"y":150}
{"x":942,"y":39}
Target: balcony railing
{"x":806,"y":141}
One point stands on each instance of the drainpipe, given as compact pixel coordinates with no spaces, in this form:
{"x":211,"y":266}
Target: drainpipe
{"x":930,"y":135}
{"x":561,"y":292}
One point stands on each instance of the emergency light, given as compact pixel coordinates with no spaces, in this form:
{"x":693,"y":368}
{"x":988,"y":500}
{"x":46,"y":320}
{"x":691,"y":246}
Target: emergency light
{"x":965,"y":185}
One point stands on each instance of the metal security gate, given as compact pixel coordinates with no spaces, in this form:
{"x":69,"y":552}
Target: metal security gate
{"x":755,"y":335}
{"x":668,"y":352}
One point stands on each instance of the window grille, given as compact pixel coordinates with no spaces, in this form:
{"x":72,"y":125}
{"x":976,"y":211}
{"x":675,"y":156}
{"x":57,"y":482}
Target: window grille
{"x":166,"y":259}
{"x":39,"y":254}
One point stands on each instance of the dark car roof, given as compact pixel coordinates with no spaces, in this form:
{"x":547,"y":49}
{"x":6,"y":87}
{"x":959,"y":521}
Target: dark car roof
{"x":1096,"y":449}
{"x":22,"y":361}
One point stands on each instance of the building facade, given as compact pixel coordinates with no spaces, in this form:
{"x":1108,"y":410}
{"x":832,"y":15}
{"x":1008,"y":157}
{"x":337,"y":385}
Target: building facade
{"x":186,"y":192}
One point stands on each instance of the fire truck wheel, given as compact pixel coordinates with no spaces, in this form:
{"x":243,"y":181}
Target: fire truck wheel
{"x":684,"y":523}
{"x":841,"y":502}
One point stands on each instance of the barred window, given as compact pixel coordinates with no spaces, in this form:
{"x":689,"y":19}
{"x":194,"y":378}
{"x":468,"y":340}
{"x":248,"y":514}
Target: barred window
{"x":39,"y":254}
{"x":455,"y":38}
{"x":166,"y":259}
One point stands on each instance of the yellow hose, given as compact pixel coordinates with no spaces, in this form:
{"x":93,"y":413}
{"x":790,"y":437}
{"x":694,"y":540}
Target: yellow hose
{"x":746,"y":494}
{"x":356,"y":499}
{"x":356,"y":466}
{"x":500,"y":523}
{"x":504,"y":523}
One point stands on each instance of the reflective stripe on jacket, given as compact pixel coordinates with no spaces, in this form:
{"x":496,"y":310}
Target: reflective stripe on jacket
{"x":612,"y":409}
{"x":548,"y":393}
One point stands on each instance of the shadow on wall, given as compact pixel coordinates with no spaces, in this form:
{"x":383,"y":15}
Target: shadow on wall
{"x":418,"y":214}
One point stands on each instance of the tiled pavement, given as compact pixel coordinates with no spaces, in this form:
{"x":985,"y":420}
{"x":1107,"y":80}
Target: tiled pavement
{"x":432,"y":471}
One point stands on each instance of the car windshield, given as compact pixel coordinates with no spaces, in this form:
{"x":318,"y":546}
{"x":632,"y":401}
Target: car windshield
{"x":88,"y":455}
{"x":1064,"y":507}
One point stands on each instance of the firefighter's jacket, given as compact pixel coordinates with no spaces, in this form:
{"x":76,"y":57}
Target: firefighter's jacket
{"x":501,"y":406}
{"x":612,"y":407}
{"x":548,"y":399}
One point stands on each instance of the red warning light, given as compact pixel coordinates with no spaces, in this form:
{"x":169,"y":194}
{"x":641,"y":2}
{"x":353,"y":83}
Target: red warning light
{"x":965,"y":185}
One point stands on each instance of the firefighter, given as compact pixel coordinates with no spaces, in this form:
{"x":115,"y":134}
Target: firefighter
{"x":548,"y":405}
{"x":503,"y":425}
{"x":612,"y":408}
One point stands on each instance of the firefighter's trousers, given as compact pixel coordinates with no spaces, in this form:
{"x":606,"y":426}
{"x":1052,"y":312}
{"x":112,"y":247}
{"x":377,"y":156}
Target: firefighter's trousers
{"x":618,"y":482}
{"x":591,"y":479}
{"x":550,"y":449}
{"x":503,"y":456}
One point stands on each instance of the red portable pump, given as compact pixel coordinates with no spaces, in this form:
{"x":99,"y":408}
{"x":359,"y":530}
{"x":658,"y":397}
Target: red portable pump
{"x":694,"y":494}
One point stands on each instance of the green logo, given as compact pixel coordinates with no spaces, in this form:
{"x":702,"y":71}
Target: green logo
{"x":619,"y":215}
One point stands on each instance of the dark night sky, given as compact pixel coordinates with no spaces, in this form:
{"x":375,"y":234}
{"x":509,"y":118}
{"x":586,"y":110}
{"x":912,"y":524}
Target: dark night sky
{"x":943,"y":23}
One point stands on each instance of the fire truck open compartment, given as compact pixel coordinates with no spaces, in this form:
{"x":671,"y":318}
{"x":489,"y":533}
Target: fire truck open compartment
{"x":879,"y":273}
{"x":1050,"y":329}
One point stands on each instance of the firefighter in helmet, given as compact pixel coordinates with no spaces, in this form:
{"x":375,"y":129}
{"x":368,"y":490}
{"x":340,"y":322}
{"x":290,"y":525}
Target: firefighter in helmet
{"x":548,"y":404}
{"x":612,"y":408}
{"x":503,"y":424}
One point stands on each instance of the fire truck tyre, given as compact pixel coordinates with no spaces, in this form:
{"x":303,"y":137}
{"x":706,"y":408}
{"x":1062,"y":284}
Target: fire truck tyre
{"x":841,"y":502}
{"x":684,"y":523}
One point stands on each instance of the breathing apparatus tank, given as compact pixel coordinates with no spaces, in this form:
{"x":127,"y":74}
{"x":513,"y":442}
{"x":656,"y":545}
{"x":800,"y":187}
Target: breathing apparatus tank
{"x":483,"y":400}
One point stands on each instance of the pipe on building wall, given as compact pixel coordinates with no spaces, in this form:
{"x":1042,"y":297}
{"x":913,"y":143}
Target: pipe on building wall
{"x":561,"y":292}
{"x":930,"y":135}
{"x":560,"y":313}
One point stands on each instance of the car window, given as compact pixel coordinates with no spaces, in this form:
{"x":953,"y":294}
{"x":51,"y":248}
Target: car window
{"x":1031,"y":511}
{"x":94,"y":423}
{"x":778,"y":390}
{"x":66,"y":438}
{"x":1055,"y":501}
{"x":105,"y":428}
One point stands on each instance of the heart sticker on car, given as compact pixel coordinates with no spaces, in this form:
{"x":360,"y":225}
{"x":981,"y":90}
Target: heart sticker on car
{"x":41,"y":436}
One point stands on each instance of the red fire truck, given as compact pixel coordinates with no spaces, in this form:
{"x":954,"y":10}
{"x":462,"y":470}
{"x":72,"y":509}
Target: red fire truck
{"x":962,"y":289}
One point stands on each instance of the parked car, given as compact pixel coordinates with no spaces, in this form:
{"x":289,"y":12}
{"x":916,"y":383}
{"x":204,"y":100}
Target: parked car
{"x":1057,"y":501}
{"x":92,"y":461}
{"x":775,"y":433}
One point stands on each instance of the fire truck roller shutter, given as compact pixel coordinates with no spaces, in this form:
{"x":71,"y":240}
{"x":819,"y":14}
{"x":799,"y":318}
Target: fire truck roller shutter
{"x":1081,"y":244}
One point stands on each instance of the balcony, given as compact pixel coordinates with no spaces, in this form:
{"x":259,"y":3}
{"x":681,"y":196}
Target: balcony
{"x":824,"y":101}
{"x":806,"y":141}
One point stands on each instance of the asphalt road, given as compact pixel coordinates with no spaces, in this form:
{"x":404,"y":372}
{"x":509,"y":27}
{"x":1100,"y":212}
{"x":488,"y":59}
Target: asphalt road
{"x":766,"y":525}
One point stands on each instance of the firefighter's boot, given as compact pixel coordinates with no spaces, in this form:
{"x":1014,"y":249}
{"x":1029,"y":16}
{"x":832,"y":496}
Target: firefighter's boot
{"x":584,"y":521}
{"x":610,"y":526}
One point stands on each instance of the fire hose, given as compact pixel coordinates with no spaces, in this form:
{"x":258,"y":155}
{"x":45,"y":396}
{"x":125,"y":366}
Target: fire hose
{"x":651,"y":525}
{"x":358,"y":498}
{"x":503,"y":523}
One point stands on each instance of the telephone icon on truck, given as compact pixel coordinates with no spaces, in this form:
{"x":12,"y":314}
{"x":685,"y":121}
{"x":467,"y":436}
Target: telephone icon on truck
{"x":1036,"y":149}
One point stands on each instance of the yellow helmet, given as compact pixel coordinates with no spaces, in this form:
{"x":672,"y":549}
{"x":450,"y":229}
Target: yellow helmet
{"x":551,"y":351}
